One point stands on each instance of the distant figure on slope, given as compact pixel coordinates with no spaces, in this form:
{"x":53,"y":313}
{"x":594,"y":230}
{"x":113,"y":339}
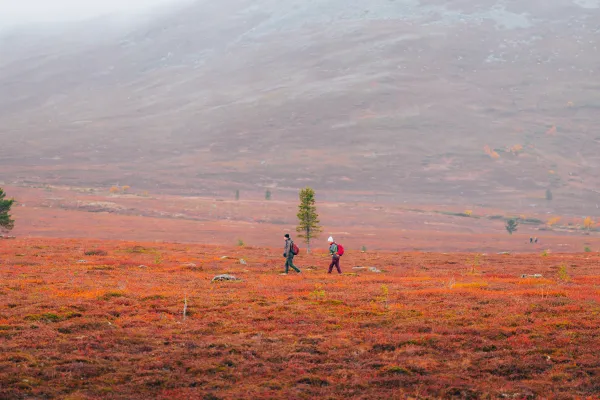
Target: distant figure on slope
{"x":530,"y":240}
{"x":536,"y":240}
{"x":289,"y":251}
{"x":336,"y":251}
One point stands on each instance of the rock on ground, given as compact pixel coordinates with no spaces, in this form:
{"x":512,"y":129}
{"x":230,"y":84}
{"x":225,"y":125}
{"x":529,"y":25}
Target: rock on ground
{"x":225,"y":277}
{"x":531,"y":276}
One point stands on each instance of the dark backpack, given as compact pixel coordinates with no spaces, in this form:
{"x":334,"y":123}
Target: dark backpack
{"x":340,"y":249}
{"x":295,"y":249}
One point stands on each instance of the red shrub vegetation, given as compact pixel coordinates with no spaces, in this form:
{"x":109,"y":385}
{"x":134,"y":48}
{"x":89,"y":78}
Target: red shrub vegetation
{"x":429,"y":325}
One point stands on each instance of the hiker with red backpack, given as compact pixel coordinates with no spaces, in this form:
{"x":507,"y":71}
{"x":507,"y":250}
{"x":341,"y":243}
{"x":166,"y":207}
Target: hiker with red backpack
{"x":336,"y":251}
{"x":289,"y":251}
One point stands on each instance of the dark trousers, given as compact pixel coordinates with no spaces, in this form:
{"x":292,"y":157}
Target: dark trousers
{"x":335,"y":262}
{"x":289,"y":262}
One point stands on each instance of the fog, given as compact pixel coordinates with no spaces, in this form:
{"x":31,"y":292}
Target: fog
{"x":26,"y":12}
{"x":477,"y":104}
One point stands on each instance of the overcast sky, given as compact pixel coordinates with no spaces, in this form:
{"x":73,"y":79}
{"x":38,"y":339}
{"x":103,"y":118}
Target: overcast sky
{"x":17,"y":12}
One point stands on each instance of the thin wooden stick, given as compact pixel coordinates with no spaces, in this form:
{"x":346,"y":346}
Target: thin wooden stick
{"x":185,"y":307}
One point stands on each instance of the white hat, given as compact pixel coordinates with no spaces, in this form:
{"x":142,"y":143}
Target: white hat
{"x":330,"y":240}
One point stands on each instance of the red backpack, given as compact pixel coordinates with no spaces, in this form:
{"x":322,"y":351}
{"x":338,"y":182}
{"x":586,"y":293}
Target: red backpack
{"x":295,"y":249}
{"x":340,"y":249}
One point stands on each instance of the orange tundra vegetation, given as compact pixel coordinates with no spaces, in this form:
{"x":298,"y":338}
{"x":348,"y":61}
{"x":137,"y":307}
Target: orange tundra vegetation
{"x":490,"y":152}
{"x":85,"y":319}
{"x":588,"y":223}
{"x":553,"y":221}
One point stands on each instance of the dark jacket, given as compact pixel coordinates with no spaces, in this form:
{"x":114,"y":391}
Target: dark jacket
{"x":287,"y":249}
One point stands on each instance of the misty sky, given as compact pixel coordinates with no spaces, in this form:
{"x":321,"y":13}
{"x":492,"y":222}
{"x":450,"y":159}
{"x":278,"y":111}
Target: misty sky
{"x":17,"y":12}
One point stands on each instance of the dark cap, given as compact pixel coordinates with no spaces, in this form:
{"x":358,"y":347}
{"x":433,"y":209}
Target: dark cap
{"x":287,"y":235}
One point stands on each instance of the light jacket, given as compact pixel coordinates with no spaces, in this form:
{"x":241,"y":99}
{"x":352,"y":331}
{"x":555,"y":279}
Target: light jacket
{"x":333,"y":249}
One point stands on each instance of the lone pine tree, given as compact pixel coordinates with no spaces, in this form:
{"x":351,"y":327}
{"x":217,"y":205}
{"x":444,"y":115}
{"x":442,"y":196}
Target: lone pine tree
{"x":308,"y":220}
{"x":511,"y":226}
{"x":6,"y":223}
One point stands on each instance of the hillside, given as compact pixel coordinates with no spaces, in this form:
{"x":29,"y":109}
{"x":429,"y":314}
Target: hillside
{"x":422,"y":101}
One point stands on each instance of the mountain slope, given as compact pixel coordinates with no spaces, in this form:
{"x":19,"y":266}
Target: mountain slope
{"x":408,"y":99}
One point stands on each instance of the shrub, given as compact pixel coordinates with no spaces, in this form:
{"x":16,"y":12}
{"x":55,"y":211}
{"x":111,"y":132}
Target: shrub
{"x":396,"y":370}
{"x":545,"y":253}
{"x":319,"y":293}
{"x":48,"y":317}
{"x":563,"y":274}
{"x":96,"y":252}
{"x":511,"y":225}
{"x":456,"y":214}
{"x":110,"y":295}
{"x":553,"y":221}
{"x":313,"y":381}
{"x":475,"y":263}
{"x":141,"y":250}
{"x":531,"y":221}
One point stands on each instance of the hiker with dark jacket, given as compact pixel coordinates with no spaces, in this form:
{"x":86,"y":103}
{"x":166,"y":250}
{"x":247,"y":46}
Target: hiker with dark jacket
{"x":288,"y":253}
{"x":335,"y":257}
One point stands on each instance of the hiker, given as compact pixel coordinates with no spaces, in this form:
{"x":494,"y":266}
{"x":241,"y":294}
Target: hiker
{"x":288,"y":253}
{"x":334,"y":251}
{"x":530,"y":240}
